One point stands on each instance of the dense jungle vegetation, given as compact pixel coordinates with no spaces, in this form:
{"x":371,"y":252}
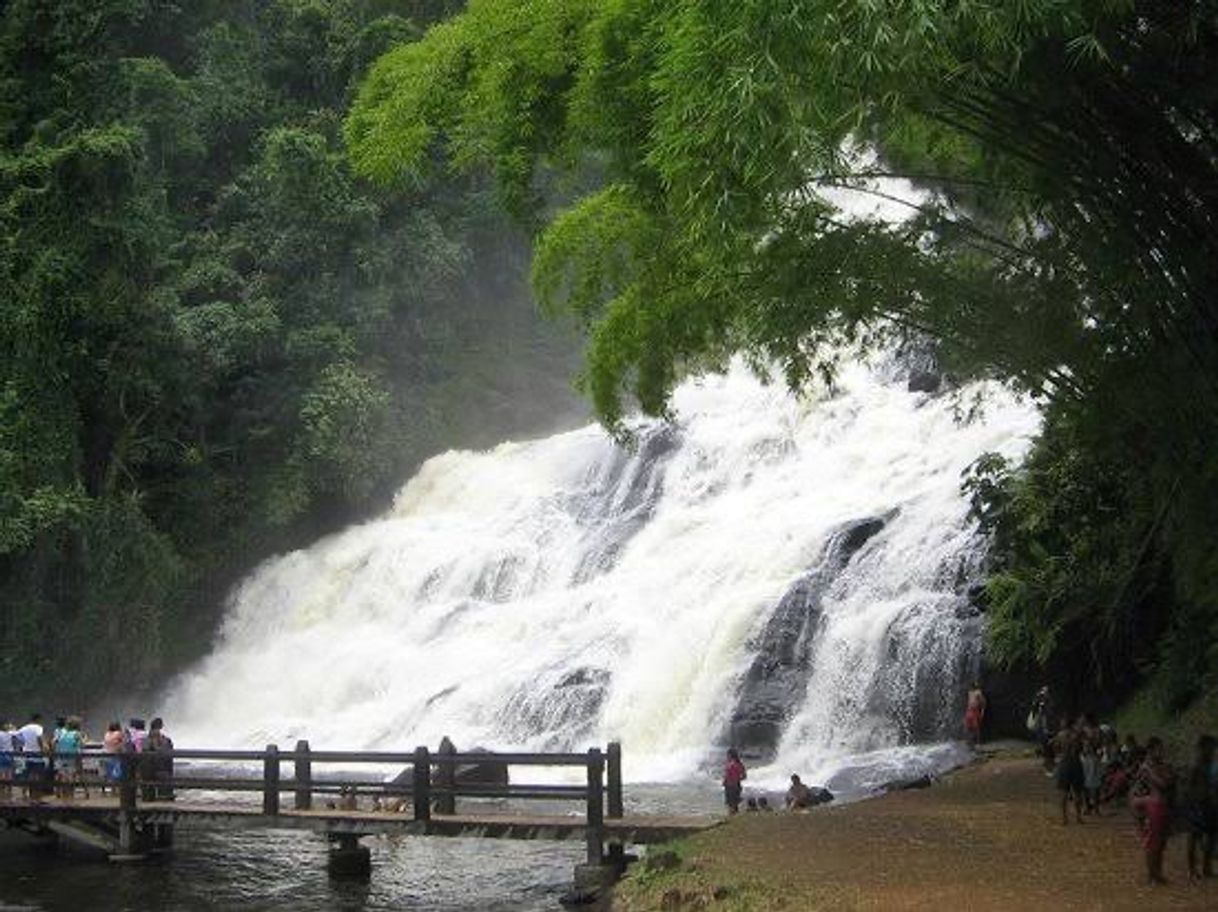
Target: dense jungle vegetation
{"x":1069,"y":149}
{"x":215,"y":341}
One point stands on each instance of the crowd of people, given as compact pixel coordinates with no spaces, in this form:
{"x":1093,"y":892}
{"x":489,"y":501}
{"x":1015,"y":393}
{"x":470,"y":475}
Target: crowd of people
{"x":64,"y":760}
{"x":1093,"y":767}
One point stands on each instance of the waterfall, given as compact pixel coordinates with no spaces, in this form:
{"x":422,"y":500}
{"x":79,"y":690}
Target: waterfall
{"x":786,"y":572}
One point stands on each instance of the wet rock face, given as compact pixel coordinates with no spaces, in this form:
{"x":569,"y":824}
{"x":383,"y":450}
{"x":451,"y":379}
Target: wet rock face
{"x":924,"y":381}
{"x":776,"y":682}
{"x":557,"y":701}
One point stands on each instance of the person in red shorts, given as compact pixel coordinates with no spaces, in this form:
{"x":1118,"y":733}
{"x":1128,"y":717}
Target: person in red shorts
{"x":733,"y":779}
{"x":974,"y":714}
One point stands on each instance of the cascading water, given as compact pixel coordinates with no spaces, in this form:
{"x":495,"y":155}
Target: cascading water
{"x":789,"y":573}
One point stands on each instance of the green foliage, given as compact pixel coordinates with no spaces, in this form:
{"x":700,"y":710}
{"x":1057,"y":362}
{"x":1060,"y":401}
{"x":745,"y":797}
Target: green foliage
{"x":343,"y":420}
{"x":214,"y":339}
{"x":1069,"y":538}
{"x":1065,"y":241}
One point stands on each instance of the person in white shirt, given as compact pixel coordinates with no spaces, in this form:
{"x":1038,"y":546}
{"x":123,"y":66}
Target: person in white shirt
{"x":33,"y":755}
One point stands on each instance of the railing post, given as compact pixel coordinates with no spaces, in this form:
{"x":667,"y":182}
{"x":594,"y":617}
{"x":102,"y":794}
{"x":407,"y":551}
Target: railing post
{"x":304,"y":777}
{"x":126,"y":783}
{"x":270,"y":781}
{"x":446,"y":774}
{"x":422,"y":784}
{"x":614,"y":760}
{"x":613,"y":774}
{"x":596,"y":806}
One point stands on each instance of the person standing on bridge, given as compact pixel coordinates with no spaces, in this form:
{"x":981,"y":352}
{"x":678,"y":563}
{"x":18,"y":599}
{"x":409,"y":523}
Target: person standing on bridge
{"x":33,"y":756}
{"x":136,"y":736}
{"x":159,"y":763}
{"x":734,"y":775}
{"x":112,"y":766}
{"x":67,"y":748}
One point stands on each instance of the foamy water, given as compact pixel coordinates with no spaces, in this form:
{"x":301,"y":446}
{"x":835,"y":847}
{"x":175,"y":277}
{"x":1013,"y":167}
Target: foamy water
{"x":562,"y":592}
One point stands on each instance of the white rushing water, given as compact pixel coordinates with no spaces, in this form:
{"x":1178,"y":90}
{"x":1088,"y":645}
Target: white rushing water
{"x":562,"y":592}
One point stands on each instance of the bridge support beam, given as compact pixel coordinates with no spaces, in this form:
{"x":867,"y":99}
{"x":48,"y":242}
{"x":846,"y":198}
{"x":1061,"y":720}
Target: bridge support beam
{"x":132,"y":841}
{"x":161,"y":840}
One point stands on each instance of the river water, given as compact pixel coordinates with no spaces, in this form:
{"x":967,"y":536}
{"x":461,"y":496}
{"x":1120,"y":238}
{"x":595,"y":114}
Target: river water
{"x":286,"y":870}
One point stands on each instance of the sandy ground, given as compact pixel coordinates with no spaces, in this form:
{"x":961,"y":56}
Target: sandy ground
{"x":989,"y":837}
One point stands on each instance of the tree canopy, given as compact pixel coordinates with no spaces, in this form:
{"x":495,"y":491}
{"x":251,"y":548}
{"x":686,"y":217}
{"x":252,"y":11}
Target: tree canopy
{"x":1065,"y":242}
{"x":215,"y":340}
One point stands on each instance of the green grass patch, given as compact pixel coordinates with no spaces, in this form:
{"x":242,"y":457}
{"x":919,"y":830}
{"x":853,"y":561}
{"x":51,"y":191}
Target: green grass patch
{"x":1148,"y":713}
{"x":700,"y":872}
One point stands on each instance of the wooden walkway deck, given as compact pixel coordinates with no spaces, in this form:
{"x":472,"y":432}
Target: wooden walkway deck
{"x":103,"y":813}
{"x":242,"y":789}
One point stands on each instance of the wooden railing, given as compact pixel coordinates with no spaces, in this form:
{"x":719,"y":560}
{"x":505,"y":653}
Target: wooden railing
{"x":432,"y":786}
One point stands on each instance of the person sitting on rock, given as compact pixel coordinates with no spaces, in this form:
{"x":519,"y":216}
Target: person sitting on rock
{"x":799,"y":796}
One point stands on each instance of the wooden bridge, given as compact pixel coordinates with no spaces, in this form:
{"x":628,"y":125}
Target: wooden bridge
{"x":228,"y":789}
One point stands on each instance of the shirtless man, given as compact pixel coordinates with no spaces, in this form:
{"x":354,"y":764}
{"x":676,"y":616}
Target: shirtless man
{"x":974,"y":714}
{"x":799,"y":796}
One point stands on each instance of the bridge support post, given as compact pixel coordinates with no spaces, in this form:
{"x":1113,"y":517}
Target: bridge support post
{"x":596,"y":806}
{"x":347,"y":857}
{"x":592,"y":877}
{"x":132,"y":844}
{"x":615,"y":810}
{"x":270,"y":781}
{"x":422,"y":785}
{"x":162,"y":837}
{"x":304,"y":777}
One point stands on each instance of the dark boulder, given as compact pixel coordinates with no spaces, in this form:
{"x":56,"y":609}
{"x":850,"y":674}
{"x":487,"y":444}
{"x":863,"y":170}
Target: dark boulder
{"x":924,"y":381}
{"x":776,"y":682}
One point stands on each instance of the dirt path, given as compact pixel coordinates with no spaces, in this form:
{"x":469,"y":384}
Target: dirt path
{"x":987,"y":838}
